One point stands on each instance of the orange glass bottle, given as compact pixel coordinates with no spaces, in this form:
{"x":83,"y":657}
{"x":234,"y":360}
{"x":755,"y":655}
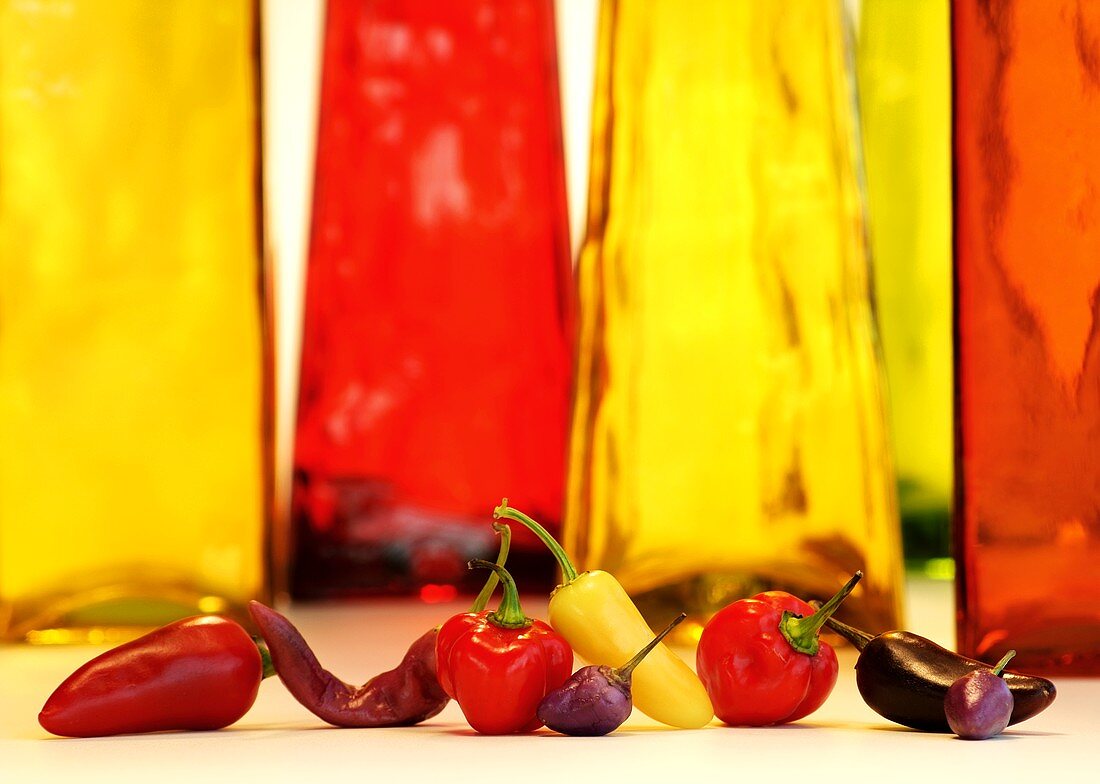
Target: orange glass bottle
{"x":1027,"y":117}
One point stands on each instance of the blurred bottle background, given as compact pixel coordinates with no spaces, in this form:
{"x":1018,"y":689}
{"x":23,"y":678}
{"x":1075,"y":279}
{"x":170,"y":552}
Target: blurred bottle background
{"x":904,"y":77}
{"x":1027,"y":116}
{"x":134,"y":375}
{"x":729,"y":430}
{"x":436,"y":353}
{"x":293,"y":54}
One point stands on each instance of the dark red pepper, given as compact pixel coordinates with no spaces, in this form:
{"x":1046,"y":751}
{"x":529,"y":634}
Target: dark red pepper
{"x":405,"y":695}
{"x":761,"y":661}
{"x":201,"y":673}
{"x":499,"y":665}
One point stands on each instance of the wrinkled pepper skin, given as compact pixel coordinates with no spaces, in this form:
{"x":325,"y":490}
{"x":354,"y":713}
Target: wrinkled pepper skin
{"x":200,"y":673}
{"x":407,"y":694}
{"x":498,"y":675}
{"x":753,"y":675}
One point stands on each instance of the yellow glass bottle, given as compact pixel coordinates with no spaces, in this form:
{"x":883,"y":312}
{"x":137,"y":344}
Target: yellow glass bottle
{"x":904,"y":69}
{"x":133,"y":370}
{"x":728,"y":430}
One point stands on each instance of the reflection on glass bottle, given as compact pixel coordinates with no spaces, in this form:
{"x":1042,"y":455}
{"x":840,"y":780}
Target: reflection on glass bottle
{"x":905,"y":105}
{"x":132,"y":366}
{"x":729,"y":430}
{"x":1027,"y":117}
{"x":436,"y":358}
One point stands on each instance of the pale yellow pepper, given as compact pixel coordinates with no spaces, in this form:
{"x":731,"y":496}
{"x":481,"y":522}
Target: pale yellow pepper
{"x":594,"y":613}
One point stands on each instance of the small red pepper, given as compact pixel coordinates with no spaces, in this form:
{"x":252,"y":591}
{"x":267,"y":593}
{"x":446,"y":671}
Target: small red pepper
{"x":499,"y":665}
{"x":201,"y":673}
{"x":761,"y":661}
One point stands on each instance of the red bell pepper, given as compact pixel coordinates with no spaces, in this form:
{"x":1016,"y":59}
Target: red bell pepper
{"x":499,"y":665}
{"x":761,"y":661}
{"x":201,"y":673}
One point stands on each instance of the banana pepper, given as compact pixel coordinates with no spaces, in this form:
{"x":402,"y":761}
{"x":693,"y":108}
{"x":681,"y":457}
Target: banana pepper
{"x":594,"y":613}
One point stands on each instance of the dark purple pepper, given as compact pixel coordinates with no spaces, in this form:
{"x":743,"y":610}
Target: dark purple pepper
{"x":405,"y":695}
{"x":979,"y":705}
{"x":596,"y":699}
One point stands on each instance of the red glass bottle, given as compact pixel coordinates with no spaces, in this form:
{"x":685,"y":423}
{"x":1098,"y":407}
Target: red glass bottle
{"x":1027,"y":120}
{"x":436,"y":366}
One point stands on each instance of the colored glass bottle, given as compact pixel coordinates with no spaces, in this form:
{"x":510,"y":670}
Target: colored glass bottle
{"x":133,"y":379}
{"x":436,"y":357}
{"x":729,"y":432}
{"x":904,"y":71}
{"x":1027,"y":266}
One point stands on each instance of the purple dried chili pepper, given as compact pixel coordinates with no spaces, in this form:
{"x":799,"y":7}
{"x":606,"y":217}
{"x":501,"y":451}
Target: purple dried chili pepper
{"x":407,"y":694}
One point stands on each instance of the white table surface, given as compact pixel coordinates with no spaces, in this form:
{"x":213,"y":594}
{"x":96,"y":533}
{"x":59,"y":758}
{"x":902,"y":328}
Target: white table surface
{"x":279,"y":741}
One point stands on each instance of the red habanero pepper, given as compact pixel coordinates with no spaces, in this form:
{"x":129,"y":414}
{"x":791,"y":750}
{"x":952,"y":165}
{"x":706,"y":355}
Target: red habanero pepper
{"x":200,"y":673}
{"x":499,"y":665}
{"x":761,"y":661}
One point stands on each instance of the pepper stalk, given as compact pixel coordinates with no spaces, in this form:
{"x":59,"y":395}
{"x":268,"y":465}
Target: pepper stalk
{"x":569,"y":572}
{"x":509,"y":615}
{"x":502,"y":556}
{"x":801,"y":632}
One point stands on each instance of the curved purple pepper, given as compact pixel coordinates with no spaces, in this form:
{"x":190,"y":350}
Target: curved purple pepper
{"x":596,"y":699}
{"x":978,"y":705}
{"x":405,"y":695}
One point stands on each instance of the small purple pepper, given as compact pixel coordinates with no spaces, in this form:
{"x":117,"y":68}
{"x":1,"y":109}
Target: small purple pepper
{"x":596,"y":699}
{"x":978,"y":705}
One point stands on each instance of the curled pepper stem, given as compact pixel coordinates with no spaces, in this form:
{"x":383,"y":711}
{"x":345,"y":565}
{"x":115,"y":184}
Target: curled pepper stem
{"x":856,"y":637}
{"x":569,"y":572}
{"x":265,"y":657}
{"x":509,"y":615}
{"x":999,"y":670}
{"x":502,"y":557}
{"x":625,"y":671}
{"x":801,"y":632}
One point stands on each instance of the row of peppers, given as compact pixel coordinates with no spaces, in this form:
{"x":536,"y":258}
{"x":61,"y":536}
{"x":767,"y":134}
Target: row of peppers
{"x":759,"y":661}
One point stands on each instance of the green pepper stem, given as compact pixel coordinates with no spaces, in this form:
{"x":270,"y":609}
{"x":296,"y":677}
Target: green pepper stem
{"x":265,"y":657}
{"x":624,"y":671}
{"x":569,"y":572}
{"x":1000,"y":668}
{"x":801,"y":632}
{"x":509,"y":615}
{"x":502,"y":557}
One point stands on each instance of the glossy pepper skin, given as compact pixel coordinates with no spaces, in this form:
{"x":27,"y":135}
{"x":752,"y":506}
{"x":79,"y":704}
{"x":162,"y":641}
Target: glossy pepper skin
{"x":596,"y":699}
{"x":904,"y":677}
{"x":761,"y":662}
{"x":594,"y":613}
{"x":499,"y":665}
{"x":200,"y":673}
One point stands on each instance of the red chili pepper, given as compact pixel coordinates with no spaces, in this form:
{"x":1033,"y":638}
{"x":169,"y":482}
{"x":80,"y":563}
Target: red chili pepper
{"x":499,"y":665}
{"x":201,"y":673}
{"x":761,"y":661}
